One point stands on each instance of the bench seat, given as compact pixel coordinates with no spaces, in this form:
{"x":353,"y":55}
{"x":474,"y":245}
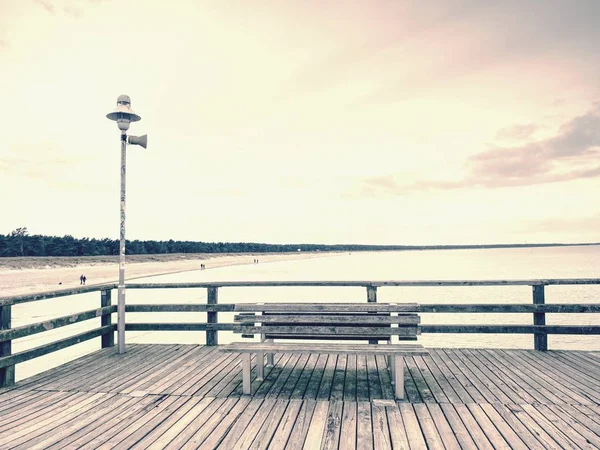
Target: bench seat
{"x":395,"y":351}
{"x":331,"y":322}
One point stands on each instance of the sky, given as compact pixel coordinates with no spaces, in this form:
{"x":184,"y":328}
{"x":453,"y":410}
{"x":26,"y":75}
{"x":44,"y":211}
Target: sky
{"x":284,"y":121}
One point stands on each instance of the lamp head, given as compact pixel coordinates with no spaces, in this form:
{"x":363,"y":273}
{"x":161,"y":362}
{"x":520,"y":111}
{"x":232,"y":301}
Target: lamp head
{"x":123,"y":114}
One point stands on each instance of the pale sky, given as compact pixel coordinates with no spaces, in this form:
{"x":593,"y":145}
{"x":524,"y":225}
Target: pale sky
{"x":373,"y":122}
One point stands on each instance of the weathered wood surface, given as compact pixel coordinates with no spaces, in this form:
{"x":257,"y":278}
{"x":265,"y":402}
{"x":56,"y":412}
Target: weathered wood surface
{"x":189,"y":396}
{"x":336,"y":308}
{"x":28,"y":330}
{"x":329,"y":349}
{"x":362,"y":319}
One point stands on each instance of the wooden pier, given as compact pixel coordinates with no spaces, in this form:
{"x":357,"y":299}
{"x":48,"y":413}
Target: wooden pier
{"x":189,"y":396}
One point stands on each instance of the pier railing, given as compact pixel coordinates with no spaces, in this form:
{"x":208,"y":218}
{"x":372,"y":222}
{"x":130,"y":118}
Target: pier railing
{"x":212,"y":307}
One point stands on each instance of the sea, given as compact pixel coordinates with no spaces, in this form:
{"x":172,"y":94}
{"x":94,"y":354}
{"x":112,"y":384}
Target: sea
{"x":467,"y":264}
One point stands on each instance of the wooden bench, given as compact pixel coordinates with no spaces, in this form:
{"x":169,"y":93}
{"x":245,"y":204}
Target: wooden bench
{"x":372,"y":322}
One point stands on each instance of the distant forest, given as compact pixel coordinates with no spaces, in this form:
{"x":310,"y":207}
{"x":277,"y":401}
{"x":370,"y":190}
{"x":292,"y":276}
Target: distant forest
{"x":20,"y":243}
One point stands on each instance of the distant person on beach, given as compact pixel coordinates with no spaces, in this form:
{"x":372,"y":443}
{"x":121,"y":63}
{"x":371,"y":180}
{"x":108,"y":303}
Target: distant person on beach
{"x":81,"y":279}
{"x":84,"y":279}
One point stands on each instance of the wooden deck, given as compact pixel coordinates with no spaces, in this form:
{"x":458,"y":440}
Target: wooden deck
{"x":188,"y":396}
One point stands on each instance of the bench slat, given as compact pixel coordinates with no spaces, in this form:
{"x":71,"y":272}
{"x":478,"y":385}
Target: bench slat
{"x":349,"y":349}
{"x":327,"y":307}
{"x":327,"y":337}
{"x":328,"y":330}
{"x":307,"y":319}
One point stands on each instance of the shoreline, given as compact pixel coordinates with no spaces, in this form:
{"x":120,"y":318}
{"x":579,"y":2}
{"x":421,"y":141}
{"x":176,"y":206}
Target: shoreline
{"x":45,"y":274}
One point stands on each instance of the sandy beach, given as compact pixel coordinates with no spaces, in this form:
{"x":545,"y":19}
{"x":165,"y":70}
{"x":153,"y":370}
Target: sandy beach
{"x":28,"y":275}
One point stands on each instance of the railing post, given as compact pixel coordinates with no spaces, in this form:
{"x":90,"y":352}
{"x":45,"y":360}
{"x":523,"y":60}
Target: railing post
{"x":212,"y":337}
{"x":540,"y":340}
{"x":108,"y":340}
{"x":372,"y":298}
{"x":7,"y":374}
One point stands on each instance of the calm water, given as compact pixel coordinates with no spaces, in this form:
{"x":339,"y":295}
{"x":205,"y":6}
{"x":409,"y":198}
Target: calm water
{"x":530,"y":263}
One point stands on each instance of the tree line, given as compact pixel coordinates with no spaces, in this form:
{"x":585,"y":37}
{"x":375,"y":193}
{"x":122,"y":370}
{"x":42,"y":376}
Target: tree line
{"x":20,"y":243}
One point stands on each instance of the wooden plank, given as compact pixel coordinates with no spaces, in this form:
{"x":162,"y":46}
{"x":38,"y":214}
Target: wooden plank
{"x":14,"y":438}
{"x":181,"y":307}
{"x":432,"y":383}
{"x":194,"y":425}
{"x":432,"y":437}
{"x":330,"y":319}
{"x":362,"y":381}
{"x":178,"y":326}
{"x":398,"y":437}
{"x":36,"y":352}
{"x":473,"y":427}
{"x":40,"y":327}
{"x":7,"y":373}
{"x":511,"y":329}
{"x":385,"y":381}
{"x":404,"y":331}
{"x":494,"y":383}
{"x":286,"y":425}
{"x":312,"y":389}
{"x":417,"y":378}
{"x":562,"y":308}
{"x":519,"y":380}
{"x":350,"y":381}
{"x":301,"y":426}
{"x":524,"y":433}
{"x":29,"y":411}
{"x":145,"y":407}
{"x":559,"y":435}
{"x":441,"y":377}
{"x":333,"y":426}
{"x":295,"y":376}
{"x":456,"y":426}
{"x":348,"y":349}
{"x":300,"y":390}
{"x":381,"y":429}
{"x":488,"y":428}
{"x":576,"y":432}
{"x":327,"y":307}
{"x":348,"y":426}
{"x":375,"y":391}
{"x":53,"y":436}
{"x":416,"y":439}
{"x":206,"y":428}
{"x":224,"y":425}
{"x":260,"y":419}
{"x":339,"y":378}
{"x":504,"y":428}
{"x":112,"y":419}
{"x":364,"y":426}
{"x":325,"y":387}
{"x":283,"y":377}
{"x":180,"y":414}
{"x":580,"y":418}
{"x":482,"y":389}
{"x":314,"y":435}
{"x":240,"y":425}
{"x":442,"y":426}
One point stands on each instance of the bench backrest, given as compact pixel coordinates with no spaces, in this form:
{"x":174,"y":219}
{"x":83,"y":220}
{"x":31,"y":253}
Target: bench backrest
{"x":340,"y":321}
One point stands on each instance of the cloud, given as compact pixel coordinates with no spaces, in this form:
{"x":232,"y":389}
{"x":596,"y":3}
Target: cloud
{"x":49,"y":7}
{"x":573,"y":153}
{"x":517,"y":132}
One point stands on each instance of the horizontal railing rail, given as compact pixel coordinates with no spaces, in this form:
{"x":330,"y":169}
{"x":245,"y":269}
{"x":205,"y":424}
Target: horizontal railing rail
{"x":538,"y":308}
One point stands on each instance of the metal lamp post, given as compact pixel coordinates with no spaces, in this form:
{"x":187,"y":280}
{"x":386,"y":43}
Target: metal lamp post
{"x":124,"y":115}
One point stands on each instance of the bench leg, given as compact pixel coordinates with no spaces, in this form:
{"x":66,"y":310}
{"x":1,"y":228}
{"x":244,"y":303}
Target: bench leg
{"x":399,"y":376}
{"x":246,"y":386}
{"x":270,"y":359}
{"x":260,"y":366}
{"x":392,"y":368}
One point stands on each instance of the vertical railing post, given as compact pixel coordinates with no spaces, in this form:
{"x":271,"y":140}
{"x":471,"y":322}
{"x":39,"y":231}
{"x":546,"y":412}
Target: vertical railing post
{"x":108,"y":340}
{"x":7,"y":374}
{"x":540,"y":340}
{"x":372,"y":298}
{"x":212,"y":337}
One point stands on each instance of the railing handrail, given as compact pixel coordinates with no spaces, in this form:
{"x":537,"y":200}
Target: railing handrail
{"x":16,"y":299}
{"x":106,"y":330}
